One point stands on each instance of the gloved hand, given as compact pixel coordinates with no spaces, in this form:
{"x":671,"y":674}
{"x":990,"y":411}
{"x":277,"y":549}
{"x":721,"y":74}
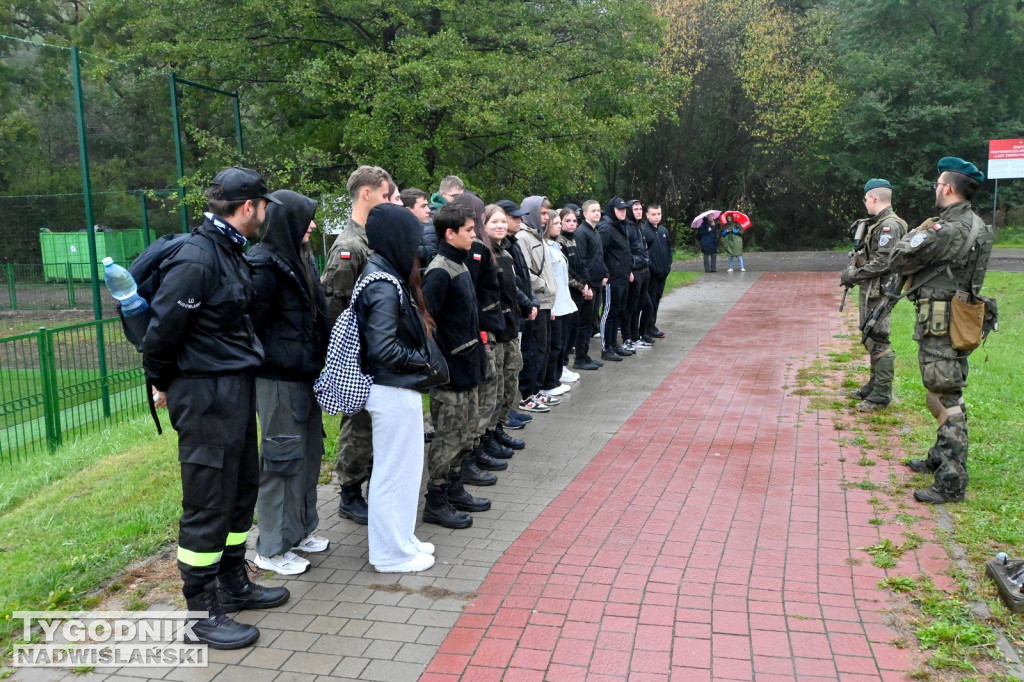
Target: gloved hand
{"x":735,"y":230}
{"x":846,"y":278}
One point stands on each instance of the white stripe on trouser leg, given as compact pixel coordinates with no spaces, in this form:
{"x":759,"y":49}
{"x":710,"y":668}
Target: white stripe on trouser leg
{"x":604,"y":312}
{"x":397,"y":468}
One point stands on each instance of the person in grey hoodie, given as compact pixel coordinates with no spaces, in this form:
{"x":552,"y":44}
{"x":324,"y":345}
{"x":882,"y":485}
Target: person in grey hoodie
{"x":542,"y":277}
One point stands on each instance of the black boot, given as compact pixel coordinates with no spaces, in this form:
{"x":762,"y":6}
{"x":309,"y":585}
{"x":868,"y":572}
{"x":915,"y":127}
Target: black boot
{"x":461,"y":499}
{"x":352,"y":505}
{"x":473,"y":474}
{"x":217,"y":630}
{"x":237,"y":593}
{"x":493,"y":448}
{"x":507,"y":440}
{"x":440,"y":511}
{"x":487,"y":463}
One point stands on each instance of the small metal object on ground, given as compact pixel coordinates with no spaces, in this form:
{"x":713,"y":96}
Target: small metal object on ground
{"x":1008,"y":576}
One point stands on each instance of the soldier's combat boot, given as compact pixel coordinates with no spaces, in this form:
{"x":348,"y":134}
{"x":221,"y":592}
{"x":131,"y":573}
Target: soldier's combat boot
{"x":486,"y":462}
{"x":439,"y":509}
{"x":934,"y":495}
{"x":862,"y":392}
{"x":461,"y":499}
{"x":507,"y":440}
{"x":236,"y":592}
{"x":493,"y":448}
{"x":352,"y":505}
{"x":473,"y":474}
{"x":871,"y":406}
{"x":217,"y":630}
{"x":921,"y":466}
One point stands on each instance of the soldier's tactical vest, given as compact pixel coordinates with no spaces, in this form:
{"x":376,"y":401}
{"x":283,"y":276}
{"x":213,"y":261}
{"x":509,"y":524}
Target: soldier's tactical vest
{"x":965,"y":269}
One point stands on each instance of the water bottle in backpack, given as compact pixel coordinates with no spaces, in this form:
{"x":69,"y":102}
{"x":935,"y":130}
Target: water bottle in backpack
{"x":122,"y":287}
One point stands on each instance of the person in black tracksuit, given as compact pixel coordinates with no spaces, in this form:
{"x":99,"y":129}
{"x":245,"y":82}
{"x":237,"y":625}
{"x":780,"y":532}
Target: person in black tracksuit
{"x":638,"y":301}
{"x":291,"y":322}
{"x":591,"y":255}
{"x":200,"y":354}
{"x":659,"y":246}
{"x":618,"y":260}
{"x":579,"y":285}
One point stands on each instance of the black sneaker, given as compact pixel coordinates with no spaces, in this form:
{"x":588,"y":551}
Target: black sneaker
{"x":525,"y":418}
{"x":610,"y":356}
{"x":657,"y":333}
{"x":584,"y":364}
{"x":620,"y":350}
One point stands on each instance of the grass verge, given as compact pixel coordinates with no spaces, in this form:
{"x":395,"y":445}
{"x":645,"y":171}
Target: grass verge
{"x":679,"y":278}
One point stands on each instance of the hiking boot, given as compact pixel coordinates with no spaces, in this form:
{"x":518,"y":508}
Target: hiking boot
{"x":217,"y":630}
{"x":493,"y":448}
{"x":861,"y":393}
{"x":871,"y":406}
{"x":473,"y":474}
{"x":584,"y":363}
{"x":508,"y":441}
{"x":237,"y":593}
{"x":439,"y":510}
{"x":921,"y":466}
{"x":352,"y":505}
{"x":610,"y":355}
{"x":933,"y":495}
{"x":461,"y":499}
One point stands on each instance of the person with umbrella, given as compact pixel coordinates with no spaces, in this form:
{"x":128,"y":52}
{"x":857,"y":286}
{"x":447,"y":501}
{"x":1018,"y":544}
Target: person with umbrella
{"x":732,"y":241}
{"x":707,"y":235}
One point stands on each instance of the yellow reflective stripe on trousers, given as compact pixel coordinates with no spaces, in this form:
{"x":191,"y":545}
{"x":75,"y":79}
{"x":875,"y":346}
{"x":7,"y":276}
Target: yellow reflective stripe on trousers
{"x":190,"y":558}
{"x":236,"y":538}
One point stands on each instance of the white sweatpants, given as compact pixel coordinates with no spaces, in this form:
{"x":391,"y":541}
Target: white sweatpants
{"x":394,"y":492}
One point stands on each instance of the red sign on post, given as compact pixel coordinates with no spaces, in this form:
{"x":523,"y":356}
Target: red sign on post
{"x":1005,"y":159}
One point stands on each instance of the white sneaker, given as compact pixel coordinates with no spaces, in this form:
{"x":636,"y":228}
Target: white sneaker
{"x":642,"y":344}
{"x":729,"y":270}
{"x":424,"y":547}
{"x":311,"y":543}
{"x":560,"y":389}
{"x":288,"y":563}
{"x":743,"y":269}
{"x":568,"y":376}
{"x":420,"y":562}
{"x":628,"y":345}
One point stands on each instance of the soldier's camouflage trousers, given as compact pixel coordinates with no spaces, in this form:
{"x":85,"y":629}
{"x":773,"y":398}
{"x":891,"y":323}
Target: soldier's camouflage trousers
{"x":511,"y":363}
{"x":355,"y":448}
{"x":883,"y":359}
{"x":944,"y":374}
{"x":489,"y":393}
{"x":455,"y":418}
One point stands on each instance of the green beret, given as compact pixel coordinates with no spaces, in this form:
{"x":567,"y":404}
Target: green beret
{"x":875,"y":183}
{"x":954,"y":164}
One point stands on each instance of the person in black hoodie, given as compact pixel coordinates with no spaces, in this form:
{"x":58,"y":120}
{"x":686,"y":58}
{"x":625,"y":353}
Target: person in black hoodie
{"x":637,"y":300}
{"x":394,"y":338}
{"x":618,"y":259}
{"x":591,"y":256}
{"x":659,"y":246}
{"x":291,"y":322}
{"x":451,"y":301}
{"x":579,"y":288}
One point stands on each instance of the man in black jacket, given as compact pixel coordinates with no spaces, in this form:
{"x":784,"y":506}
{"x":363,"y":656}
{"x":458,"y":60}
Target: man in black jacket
{"x":659,"y":247}
{"x":200,"y":354}
{"x":637,"y":300}
{"x":618,"y":259}
{"x":591,"y":255}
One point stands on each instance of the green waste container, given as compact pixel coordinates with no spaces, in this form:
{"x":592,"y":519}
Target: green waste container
{"x":61,"y":248}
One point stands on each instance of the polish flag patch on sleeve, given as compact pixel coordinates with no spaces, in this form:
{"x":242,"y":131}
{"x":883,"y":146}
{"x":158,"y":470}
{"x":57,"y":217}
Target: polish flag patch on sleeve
{"x":345,"y":255}
{"x":477,"y":256}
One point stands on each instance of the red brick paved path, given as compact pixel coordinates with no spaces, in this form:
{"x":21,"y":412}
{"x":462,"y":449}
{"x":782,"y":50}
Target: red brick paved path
{"x":710,"y":539}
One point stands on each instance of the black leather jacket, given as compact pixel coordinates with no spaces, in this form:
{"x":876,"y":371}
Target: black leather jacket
{"x":392,"y":334}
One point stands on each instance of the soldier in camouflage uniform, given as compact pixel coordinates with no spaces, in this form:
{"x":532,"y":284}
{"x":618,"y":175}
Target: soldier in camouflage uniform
{"x":368,"y":186}
{"x":870,"y":269}
{"x":944,"y":255}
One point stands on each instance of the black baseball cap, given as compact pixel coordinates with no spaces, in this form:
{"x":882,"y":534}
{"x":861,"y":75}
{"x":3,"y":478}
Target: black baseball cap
{"x":239,"y":184}
{"x":619,"y":203}
{"x":511,"y":208}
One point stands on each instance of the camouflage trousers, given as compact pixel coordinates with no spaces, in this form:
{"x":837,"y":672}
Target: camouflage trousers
{"x":355,"y":449}
{"x":944,"y":374}
{"x":510,"y":364}
{"x":455,"y":418}
{"x":489,"y":393}
{"x":883,"y":359}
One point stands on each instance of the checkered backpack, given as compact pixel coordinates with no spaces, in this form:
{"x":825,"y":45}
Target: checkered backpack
{"x":342,"y":386}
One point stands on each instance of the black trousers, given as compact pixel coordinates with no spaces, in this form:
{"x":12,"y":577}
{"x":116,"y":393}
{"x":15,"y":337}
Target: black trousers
{"x":615,"y":313}
{"x":215,"y":418}
{"x":710,"y":261}
{"x":585,"y":327}
{"x":655,"y":290}
{"x":636,"y":303}
{"x":535,"y":353}
{"x":558,"y":333}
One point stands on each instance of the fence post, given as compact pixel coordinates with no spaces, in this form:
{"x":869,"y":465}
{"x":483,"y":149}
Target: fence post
{"x":12,"y":290}
{"x":71,"y":285}
{"x":48,"y":379}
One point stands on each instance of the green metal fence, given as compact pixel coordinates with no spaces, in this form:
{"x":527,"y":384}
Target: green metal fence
{"x":35,"y":286}
{"x":57,"y":383}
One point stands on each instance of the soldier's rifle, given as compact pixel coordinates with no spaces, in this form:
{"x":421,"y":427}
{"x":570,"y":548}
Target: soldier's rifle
{"x":858,"y":255}
{"x":892,"y":294}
